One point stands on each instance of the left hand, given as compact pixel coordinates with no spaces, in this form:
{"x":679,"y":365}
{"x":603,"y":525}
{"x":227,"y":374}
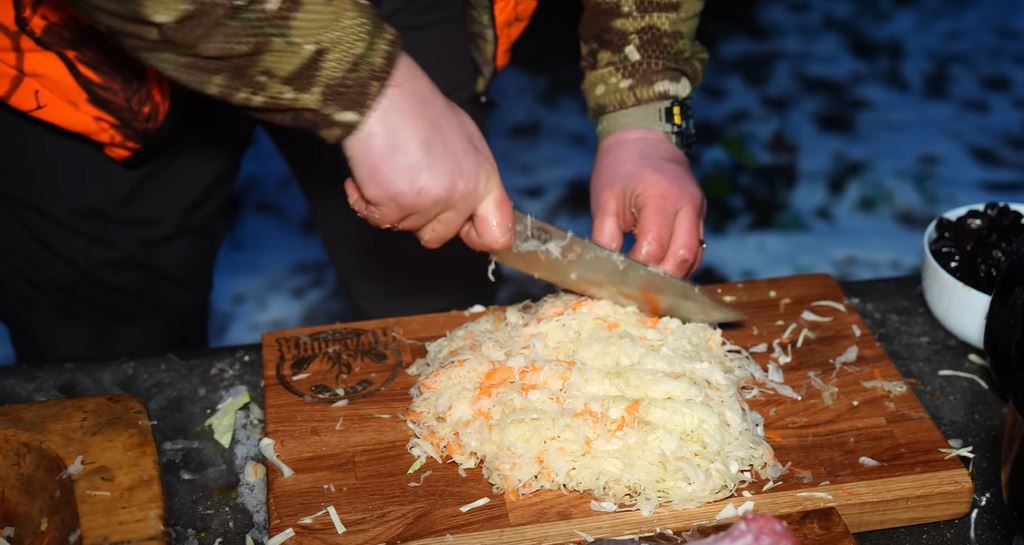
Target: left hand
{"x":642,"y":183}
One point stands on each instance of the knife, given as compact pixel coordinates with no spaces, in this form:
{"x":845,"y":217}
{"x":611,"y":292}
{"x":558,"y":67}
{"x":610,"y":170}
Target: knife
{"x":578,"y":265}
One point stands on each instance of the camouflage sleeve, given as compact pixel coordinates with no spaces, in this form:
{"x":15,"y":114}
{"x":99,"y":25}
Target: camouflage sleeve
{"x":312,"y":64}
{"x":639,"y":51}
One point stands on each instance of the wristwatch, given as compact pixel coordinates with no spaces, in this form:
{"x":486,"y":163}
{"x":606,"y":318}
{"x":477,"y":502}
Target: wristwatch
{"x":673,"y":117}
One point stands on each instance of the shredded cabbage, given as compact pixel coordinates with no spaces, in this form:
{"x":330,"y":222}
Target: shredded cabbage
{"x":829,"y":303}
{"x":72,"y":469}
{"x":267,"y":448}
{"x":977,"y":360}
{"x":828,"y":390}
{"x":423,"y":477}
{"x":336,"y":520}
{"x":312,"y":518}
{"x":280,"y":538}
{"x":728,"y":511}
{"x":474,"y":504}
{"x":587,"y":395}
{"x":812,"y":317}
{"x":893,"y":387}
{"x":223,"y":421}
{"x":964,"y":451}
{"x":867,"y":461}
{"x":804,"y":333}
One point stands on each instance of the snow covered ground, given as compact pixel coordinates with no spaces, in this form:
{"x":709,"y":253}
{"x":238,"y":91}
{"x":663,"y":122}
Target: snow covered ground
{"x":830,"y":134}
{"x":857,"y":121}
{"x":895,"y":112}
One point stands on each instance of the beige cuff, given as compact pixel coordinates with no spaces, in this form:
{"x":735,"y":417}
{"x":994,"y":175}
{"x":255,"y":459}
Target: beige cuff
{"x":650,"y":115}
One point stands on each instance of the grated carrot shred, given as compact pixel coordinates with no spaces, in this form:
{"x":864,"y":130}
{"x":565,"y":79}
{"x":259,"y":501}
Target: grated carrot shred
{"x":634,"y":408}
{"x":648,"y":321}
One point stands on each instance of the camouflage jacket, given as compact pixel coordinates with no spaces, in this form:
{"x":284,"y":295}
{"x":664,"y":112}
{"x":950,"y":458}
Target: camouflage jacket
{"x":319,"y":64}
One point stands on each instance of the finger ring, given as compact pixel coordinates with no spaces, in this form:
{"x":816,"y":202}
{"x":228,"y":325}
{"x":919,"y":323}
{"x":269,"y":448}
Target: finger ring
{"x":703,"y":244}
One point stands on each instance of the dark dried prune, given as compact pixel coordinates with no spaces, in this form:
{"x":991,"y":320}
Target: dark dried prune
{"x":974,"y":247}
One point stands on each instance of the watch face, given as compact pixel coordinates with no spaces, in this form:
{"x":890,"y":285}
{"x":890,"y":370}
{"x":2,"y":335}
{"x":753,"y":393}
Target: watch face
{"x":680,"y":116}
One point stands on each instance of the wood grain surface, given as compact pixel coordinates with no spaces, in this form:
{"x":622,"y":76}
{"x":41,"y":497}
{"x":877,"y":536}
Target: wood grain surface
{"x":354,"y":457}
{"x":116,"y":498}
{"x":818,"y":527}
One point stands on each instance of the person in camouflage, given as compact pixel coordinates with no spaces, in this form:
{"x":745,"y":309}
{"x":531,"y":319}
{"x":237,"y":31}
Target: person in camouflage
{"x":113,"y":257}
{"x":336,"y":69}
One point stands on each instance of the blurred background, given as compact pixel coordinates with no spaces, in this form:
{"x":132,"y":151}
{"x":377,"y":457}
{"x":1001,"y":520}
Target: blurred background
{"x":829,"y":135}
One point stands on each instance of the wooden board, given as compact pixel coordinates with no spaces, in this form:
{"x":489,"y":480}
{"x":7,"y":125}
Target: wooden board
{"x":116,"y":498}
{"x":815,"y":527}
{"x":819,"y":527}
{"x":361,"y":467}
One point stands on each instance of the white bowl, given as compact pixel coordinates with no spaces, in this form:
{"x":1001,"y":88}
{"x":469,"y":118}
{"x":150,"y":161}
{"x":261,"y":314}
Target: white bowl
{"x":958,"y":307}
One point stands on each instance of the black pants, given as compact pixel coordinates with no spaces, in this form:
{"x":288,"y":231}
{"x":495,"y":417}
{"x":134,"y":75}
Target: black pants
{"x":101,"y":260}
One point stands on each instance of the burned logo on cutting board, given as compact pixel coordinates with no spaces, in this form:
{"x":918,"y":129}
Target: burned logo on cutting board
{"x":338,"y":364}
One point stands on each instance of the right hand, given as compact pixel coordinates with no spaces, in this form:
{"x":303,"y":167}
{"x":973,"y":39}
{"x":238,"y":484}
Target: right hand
{"x":420,"y":164}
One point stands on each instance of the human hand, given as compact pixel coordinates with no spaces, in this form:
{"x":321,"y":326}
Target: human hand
{"x":420,"y":164}
{"x":643,"y":183}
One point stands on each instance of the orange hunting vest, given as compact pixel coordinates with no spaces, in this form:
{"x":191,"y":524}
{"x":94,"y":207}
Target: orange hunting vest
{"x":57,"y":68}
{"x":510,"y":20}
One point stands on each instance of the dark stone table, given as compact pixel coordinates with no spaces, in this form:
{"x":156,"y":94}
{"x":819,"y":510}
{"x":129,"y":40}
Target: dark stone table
{"x":207,"y":500}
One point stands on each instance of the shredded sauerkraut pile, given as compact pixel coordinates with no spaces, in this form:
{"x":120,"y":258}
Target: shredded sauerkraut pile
{"x":578,"y":394}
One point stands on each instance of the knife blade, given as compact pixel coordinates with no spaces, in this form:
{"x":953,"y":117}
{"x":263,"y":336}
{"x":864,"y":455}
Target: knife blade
{"x":578,"y":265}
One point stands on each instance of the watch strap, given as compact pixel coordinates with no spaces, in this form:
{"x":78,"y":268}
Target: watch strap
{"x":673,"y":117}
{"x":650,"y":115}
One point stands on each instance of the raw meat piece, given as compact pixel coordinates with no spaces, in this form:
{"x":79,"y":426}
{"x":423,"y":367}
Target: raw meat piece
{"x":754,"y":529}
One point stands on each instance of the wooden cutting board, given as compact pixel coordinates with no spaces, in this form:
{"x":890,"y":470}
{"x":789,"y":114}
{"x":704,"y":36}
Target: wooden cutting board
{"x":816,"y":527}
{"x":354,"y":457}
{"x":116,"y":498}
